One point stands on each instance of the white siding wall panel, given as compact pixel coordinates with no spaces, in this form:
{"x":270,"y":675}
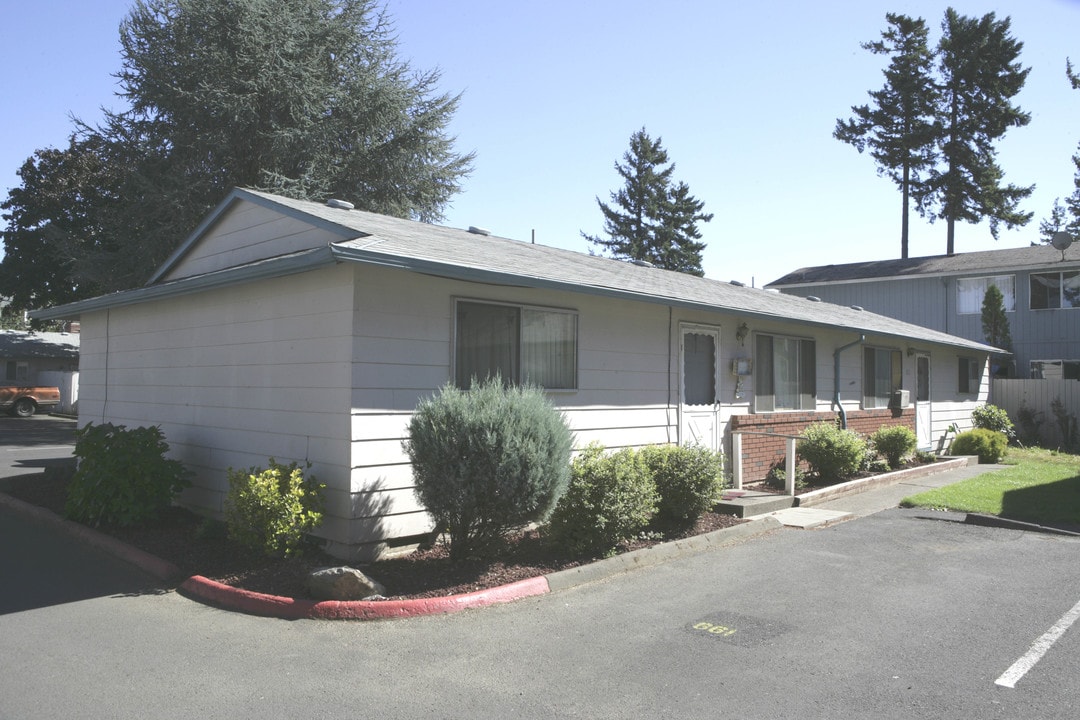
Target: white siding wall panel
{"x":233,"y":377}
{"x":248,"y":233}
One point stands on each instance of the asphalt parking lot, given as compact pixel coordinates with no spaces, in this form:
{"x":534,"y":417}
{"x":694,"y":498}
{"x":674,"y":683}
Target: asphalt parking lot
{"x":900,"y":614}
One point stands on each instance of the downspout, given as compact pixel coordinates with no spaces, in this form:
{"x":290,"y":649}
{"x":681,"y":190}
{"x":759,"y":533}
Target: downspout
{"x":836,"y":379}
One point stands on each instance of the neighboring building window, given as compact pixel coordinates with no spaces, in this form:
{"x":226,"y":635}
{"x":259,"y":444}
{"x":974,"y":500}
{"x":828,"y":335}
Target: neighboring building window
{"x":971,"y":291}
{"x":970,"y":376}
{"x":882,"y":376}
{"x":516,"y":342}
{"x":16,"y":371}
{"x":1055,"y":369}
{"x":1055,"y":290}
{"x":785,"y":374}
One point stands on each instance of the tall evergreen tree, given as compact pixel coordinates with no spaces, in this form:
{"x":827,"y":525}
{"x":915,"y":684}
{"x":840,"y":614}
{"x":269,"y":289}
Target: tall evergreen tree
{"x":979,"y":75}
{"x":304,"y":97}
{"x":899,"y":128}
{"x":653,"y":220}
{"x":1066,"y":217}
{"x":995,"y":323}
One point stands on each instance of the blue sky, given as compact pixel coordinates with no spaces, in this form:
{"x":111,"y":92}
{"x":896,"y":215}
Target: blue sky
{"x":744,"y":95}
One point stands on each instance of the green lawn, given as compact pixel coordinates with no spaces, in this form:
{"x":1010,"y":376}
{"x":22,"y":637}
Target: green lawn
{"x":1040,"y":486}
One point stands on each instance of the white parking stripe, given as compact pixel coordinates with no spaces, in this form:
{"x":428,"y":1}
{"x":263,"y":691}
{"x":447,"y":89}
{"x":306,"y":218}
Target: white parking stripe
{"x":1019,"y":668}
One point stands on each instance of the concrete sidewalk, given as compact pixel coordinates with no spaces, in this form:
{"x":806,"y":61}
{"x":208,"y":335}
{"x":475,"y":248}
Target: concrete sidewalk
{"x":873,"y":500}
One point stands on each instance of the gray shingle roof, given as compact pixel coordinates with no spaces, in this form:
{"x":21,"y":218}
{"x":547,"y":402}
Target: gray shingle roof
{"x":27,"y":345}
{"x":1007,"y":260}
{"x":453,"y":253}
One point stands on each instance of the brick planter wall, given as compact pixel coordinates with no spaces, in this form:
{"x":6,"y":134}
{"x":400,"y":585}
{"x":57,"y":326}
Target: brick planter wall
{"x":760,"y":453}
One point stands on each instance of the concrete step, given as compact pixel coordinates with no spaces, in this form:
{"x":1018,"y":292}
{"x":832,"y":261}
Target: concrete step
{"x":750,"y":503}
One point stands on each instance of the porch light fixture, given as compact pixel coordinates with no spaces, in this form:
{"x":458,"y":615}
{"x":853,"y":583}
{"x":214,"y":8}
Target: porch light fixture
{"x":741,"y":332}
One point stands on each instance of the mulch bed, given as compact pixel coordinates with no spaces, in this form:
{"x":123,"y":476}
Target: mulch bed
{"x":198,"y":547}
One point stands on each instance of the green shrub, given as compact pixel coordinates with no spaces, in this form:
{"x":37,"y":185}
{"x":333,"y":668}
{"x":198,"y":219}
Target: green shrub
{"x":832,"y":453}
{"x":894,"y":444}
{"x":991,"y":417}
{"x":272,"y":509}
{"x":488,"y":460}
{"x":689,"y":480}
{"x":610,"y":498}
{"x":123,"y":477}
{"x":777,"y":477}
{"x":989,"y":445}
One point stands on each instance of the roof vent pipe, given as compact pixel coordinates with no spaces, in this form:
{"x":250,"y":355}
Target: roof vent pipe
{"x":836,"y":379}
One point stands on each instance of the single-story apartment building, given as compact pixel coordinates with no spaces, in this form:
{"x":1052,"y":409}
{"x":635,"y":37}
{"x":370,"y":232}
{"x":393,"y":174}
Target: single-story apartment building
{"x":308,"y":331}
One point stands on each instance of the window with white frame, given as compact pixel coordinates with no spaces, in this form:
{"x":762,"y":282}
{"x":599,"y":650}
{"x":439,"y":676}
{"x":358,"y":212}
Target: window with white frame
{"x":519,"y":343}
{"x":969,"y":376}
{"x":1052,"y":291}
{"x":785,"y":374}
{"x":1055,"y":369}
{"x":971,"y":291}
{"x":883,"y":370}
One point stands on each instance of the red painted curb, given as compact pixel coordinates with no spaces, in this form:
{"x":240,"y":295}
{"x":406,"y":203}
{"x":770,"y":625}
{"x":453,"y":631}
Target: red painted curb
{"x":228,"y":597}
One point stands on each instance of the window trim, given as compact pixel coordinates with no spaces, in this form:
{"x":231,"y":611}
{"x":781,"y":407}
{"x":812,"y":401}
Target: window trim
{"x":1068,"y":367}
{"x":1061,"y":290}
{"x":964,"y":380}
{"x":978,"y":310}
{"x":897,"y":372}
{"x":456,"y":302}
{"x":807,"y":393}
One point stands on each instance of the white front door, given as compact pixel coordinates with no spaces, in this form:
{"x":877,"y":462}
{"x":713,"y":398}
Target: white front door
{"x":699,"y":406}
{"x":922,"y":402}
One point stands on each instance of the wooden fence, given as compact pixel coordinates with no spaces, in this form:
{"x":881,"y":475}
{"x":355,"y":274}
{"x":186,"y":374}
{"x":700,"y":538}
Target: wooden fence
{"x":1044,"y":411}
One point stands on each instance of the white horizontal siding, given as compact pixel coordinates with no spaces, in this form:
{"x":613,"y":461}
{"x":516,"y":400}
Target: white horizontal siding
{"x":249,"y":232}
{"x":233,"y":376}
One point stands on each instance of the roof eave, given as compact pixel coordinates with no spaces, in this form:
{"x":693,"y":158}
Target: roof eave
{"x":275,"y":267}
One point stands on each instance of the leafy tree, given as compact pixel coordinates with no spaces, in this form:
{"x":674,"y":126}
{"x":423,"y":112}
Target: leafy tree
{"x":302,"y":97}
{"x":995,"y":323}
{"x":979,"y":75}
{"x":653,"y":221}
{"x":899,"y":129}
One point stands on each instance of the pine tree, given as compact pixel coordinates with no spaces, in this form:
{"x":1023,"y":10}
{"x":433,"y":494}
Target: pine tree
{"x":899,"y":128}
{"x":653,"y":220}
{"x":995,"y":323}
{"x":979,"y":75}
{"x":303,"y":97}
{"x":1066,"y":218}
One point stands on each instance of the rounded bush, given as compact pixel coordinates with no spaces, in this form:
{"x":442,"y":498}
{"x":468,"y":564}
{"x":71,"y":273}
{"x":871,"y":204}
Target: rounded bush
{"x":272,"y":509}
{"x":689,"y":480}
{"x":989,"y":445}
{"x":832,"y":453}
{"x":488,"y":460}
{"x":991,"y":417}
{"x":123,"y":477}
{"x":894,"y":443}
{"x":611,"y":497}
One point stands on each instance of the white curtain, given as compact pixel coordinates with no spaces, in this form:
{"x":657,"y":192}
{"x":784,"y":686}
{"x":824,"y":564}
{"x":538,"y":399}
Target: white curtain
{"x":971,"y":291}
{"x":548,"y":348}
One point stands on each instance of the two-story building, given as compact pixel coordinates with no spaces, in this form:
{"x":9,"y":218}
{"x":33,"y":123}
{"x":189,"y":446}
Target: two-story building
{"x":1040,"y":285}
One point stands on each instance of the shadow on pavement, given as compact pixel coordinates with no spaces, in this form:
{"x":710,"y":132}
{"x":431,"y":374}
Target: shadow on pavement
{"x":42,"y":567}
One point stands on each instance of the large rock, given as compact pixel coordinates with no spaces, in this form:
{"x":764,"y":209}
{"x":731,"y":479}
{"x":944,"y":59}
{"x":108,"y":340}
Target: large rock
{"x":342,"y":583}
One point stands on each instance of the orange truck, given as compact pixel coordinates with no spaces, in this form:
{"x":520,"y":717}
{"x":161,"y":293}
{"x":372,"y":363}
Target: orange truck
{"x":25,"y":400}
